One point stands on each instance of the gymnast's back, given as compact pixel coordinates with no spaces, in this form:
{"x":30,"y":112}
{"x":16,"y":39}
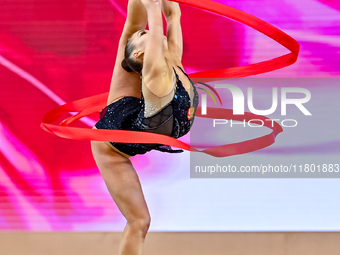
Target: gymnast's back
{"x":174,"y":119}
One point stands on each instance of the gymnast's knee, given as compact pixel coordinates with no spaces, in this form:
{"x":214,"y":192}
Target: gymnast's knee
{"x":140,"y":225}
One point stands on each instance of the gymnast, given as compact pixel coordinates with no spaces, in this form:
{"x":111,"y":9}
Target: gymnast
{"x":149,"y":92}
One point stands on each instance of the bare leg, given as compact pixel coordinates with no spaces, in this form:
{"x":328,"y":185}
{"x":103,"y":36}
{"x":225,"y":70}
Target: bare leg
{"x":117,"y":170}
{"x":124,"y":186}
{"x":124,"y":83}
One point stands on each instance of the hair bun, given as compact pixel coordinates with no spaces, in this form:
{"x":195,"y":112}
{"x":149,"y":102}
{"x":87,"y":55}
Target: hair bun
{"x":126,"y":66}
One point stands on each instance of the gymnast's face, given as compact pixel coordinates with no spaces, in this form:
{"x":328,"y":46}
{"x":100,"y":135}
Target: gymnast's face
{"x":139,"y":40}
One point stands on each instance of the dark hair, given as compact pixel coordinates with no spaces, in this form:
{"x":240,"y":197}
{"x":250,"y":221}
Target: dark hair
{"x":129,"y":63}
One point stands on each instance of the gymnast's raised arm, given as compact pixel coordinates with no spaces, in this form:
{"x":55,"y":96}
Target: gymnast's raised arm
{"x":136,"y":19}
{"x":172,"y":13}
{"x":157,"y":72}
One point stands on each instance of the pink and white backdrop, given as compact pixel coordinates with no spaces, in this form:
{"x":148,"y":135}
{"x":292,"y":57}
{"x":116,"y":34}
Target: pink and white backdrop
{"x":53,"y":52}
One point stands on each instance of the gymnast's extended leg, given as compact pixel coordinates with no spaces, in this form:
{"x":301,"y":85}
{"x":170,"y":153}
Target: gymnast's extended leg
{"x":122,"y":82}
{"x":118,"y":173}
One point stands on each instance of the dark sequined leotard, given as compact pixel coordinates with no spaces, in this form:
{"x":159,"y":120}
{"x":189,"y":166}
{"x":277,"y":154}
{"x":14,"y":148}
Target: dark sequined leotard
{"x":175,"y":119}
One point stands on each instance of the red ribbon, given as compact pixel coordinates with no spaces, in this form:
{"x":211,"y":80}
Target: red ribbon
{"x":95,"y":104}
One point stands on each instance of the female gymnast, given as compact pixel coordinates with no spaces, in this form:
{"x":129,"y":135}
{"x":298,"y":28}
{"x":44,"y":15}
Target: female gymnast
{"x":156,"y":97}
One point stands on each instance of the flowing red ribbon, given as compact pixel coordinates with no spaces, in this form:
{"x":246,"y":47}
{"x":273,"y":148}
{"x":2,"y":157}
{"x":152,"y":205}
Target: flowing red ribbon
{"x":95,"y":104}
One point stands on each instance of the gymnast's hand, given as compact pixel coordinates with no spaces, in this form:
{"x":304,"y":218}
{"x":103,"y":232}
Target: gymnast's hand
{"x":170,"y":9}
{"x":148,"y":3}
